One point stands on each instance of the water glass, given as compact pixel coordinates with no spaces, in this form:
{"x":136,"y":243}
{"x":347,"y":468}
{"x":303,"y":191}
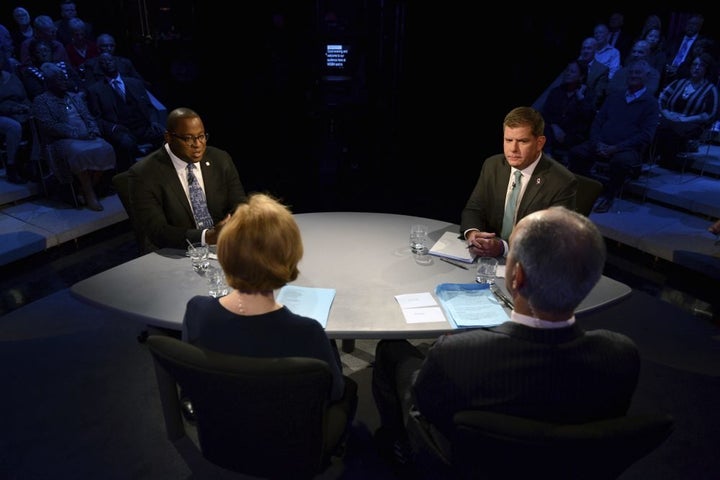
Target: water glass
{"x":198,"y":257}
{"x":418,"y":239}
{"x":486,"y":270}
{"x":217,"y":285}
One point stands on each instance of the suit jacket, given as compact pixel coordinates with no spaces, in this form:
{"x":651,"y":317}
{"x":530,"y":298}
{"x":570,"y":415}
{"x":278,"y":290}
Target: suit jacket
{"x":103,"y":103}
{"x":564,"y":375}
{"x":160,"y":205}
{"x":550,"y":184}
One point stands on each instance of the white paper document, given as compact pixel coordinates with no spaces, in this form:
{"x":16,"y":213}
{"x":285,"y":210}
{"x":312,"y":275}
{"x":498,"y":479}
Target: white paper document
{"x":308,"y":301}
{"x":420,"y":308}
{"x":450,"y":246}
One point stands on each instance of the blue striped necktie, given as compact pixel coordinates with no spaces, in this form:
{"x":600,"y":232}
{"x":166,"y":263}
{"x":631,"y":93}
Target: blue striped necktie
{"x":197,"y":200}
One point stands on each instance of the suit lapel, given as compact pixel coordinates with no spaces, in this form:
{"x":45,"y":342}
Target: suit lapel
{"x":174,"y":185}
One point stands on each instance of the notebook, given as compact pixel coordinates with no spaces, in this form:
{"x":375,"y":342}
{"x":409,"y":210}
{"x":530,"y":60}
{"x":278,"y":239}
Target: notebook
{"x":451,"y":246}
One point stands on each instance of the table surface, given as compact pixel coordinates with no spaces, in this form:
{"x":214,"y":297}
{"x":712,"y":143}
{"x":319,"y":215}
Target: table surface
{"x":365,"y":257}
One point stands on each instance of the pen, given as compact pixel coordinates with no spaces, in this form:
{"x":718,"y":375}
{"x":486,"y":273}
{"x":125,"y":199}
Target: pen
{"x":496,"y":291}
{"x":453,"y":263}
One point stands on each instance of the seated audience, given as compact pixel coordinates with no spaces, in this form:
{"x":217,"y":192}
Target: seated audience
{"x":621,"y":133}
{"x":124,"y":113}
{"x":68,"y":11}
{"x":687,"y":107}
{"x":44,"y":29}
{"x":597,"y":75}
{"x":80,"y":48}
{"x":14,"y":122}
{"x":657,"y":57}
{"x":70,"y":129}
{"x":641,"y":49}
{"x":33,"y":77}
{"x":540,"y":364}
{"x":606,"y":53}
{"x":681,"y":50}
{"x":485,"y":221}
{"x":568,"y":112}
{"x":106,"y":44}
{"x":618,"y":36}
{"x":158,"y":181}
{"x":22,"y":29}
{"x":259,"y":250}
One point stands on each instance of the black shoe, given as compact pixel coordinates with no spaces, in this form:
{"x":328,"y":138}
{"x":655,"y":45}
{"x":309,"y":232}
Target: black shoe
{"x":13,"y":176}
{"x":187,"y":410}
{"x":396,"y":453}
{"x":604,"y":205}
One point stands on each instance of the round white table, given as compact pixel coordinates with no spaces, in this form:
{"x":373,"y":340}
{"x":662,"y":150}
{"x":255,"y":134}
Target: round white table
{"x":365,"y":257}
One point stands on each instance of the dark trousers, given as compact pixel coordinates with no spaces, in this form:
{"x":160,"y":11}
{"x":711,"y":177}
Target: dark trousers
{"x":396,"y":364}
{"x":582,"y":158}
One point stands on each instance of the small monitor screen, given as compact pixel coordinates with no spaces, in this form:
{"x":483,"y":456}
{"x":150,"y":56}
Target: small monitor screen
{"x":336,"y":57}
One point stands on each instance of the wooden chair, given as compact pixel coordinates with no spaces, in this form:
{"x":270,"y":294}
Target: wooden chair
{"x":266,"y":417}
{"x":491,"y":445}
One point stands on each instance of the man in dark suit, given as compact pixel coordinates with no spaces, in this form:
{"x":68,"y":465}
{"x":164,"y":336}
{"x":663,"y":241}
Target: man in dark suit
{"x":540,"y":364}
{"x":543,"y":182}
{"x":159,"y":191}
{"x":124,"y":113}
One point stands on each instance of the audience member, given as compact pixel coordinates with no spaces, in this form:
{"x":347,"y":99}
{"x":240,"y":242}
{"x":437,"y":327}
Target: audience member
{"x":159,"y":188}
{"x":94,"y":71}
{"x":568,"y":112}
{"x":641,"y":50}
{"x":699,"y":46}
{"x":597,"y":75}
{"x":68,"y":11}
{"x":80,"y":48}
{"x":606,"y":53}
{"x":540,"y":364}
{"x":687,"y":107}
{"x":68,"y":126}
{"x":620,"y":134}
{"x":618,"y":36}
{"x":679,"y":49}
{"x":32,"y":75}
{"x":22,"y":29}
{"x":537,"y":180}
{"x":14,"y":117}
{"x":124,"y":113}
{"x":44,"y":29}
{"x":715,"y":228}
{"x":657,"y":57}
{"x":259,"y":250}
{"x":10,"y":64}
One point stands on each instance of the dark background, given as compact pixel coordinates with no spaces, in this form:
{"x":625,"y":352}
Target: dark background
{"x":427,"y":87}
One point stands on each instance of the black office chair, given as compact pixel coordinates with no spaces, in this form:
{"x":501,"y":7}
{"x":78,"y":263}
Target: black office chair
{"x":491,"y":445}
{"x":267,"y":417}
{"x":121,"y":183}
{"x":588,"y":190}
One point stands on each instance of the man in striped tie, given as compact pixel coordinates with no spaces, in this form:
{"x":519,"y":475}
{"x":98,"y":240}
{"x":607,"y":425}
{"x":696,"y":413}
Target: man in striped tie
{"x":174,"y":204}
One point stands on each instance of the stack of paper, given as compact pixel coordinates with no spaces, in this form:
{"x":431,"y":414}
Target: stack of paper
{"x":470,"y":305}
{"x":450,"y":246}
{"x":308,"y":301}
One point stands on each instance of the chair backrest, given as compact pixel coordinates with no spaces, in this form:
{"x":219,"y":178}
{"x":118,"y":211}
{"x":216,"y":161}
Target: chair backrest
{"x":514,"y":447}
{"x":121,"y":183}
{"x":256,"y":416}
{"x":588,"y":190}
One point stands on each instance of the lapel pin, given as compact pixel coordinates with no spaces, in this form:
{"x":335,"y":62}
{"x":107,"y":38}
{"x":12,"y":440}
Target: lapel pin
{"x":538,"y":181}
{"x":207,"y":164}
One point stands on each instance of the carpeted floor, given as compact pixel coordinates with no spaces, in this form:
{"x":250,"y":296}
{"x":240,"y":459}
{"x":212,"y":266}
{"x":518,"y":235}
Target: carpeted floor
{"x":80,"y":399}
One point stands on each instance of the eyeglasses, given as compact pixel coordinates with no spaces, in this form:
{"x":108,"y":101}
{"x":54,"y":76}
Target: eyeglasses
{"x":189,"y":139}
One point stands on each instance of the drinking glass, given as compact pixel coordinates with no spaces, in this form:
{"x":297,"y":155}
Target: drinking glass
{"x":217,"y":285}
{"x":486,"y":270}
{"x":198,"y":257}
{"x":418,"y":239}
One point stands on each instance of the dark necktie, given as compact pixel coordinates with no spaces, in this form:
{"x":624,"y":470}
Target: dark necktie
{"x":116,"y":86}
{"x":197,"y":200}
{"x":509,"y":217}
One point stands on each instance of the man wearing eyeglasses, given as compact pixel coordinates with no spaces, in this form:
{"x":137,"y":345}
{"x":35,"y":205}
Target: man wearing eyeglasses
{"x":165,"y":201}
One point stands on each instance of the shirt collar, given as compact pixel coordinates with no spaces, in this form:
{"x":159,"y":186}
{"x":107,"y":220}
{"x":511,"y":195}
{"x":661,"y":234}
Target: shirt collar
{"x":537,"y":323}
